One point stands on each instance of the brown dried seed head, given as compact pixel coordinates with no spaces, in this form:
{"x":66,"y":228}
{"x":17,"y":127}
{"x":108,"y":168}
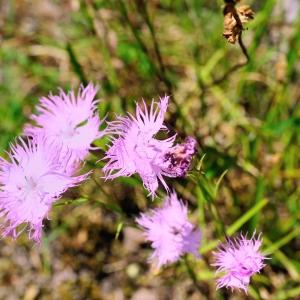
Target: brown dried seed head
{"x":245,"y":13}
{"x":231,"y":28}
{"x":234,"y":18}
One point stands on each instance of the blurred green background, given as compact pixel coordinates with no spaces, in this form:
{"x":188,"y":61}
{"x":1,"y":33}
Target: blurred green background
{"x":246,"y":122}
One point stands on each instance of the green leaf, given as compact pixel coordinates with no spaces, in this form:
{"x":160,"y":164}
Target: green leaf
{"x":119,"y":229}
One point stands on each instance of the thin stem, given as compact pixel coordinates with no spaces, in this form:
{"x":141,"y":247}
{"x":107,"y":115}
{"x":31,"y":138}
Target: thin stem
{"x":209,"y":198}
{"x":76,"y":65}
{"x":243,"y":47}
{"x":191,"y":273}
{"x":100,"y":186}
{"x":137,"y":36}
{"x":160,"y":71}
{"x":218,"y":219}
{"x":143,"y":9}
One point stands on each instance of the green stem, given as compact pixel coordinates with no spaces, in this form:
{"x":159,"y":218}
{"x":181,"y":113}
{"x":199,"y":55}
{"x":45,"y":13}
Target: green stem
{"x":191,"y":273}
{"x":75,"y":64}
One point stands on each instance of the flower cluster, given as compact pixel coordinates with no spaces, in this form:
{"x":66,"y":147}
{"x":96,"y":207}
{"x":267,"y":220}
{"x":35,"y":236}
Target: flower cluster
{"x":44,"y":163}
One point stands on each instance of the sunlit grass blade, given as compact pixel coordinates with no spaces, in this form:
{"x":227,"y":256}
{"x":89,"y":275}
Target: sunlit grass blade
{"x":236,"y":225}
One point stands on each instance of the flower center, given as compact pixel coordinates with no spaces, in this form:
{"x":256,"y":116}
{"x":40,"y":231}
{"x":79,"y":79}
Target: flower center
{"x":31,"y":187}
{"x":144,"y":148}
{"x":32,"y":184}
{"x":68,"y":132}
{"x":28,"y":189}
{"x":247,"y":266}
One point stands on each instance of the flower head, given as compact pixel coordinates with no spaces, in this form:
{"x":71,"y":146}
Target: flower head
{"x":177,"y":159}
{"x":239,"y":258}
{"x":69,"y":120}
{"x":30,"y":182}
{"x":170,"y":232}
{"x":135,"y":149}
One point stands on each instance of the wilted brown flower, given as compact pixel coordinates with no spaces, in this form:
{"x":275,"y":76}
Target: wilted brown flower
{"x":234,"y":18}
{"x":245,"y":13}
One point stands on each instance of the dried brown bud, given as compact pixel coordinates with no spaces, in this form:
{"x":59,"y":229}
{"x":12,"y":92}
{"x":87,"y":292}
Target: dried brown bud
{"x":231,"y":28}
{"x":234,"y":18}
{"x":245,"y":13}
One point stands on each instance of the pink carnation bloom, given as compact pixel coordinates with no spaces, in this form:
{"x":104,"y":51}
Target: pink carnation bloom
{"x":35,"y":176}
{"x":69,"y":120}
{"x":134,"y":148}
{"x":170,"y":232}
{"x":239,"y":258}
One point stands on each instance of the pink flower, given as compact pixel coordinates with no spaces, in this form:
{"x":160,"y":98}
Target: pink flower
{"x":69,"y":120}
{"x":30,"y":182}
{"x":134,"y":148}
{"x":239,"y":258}
{"x":170,"y":232}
